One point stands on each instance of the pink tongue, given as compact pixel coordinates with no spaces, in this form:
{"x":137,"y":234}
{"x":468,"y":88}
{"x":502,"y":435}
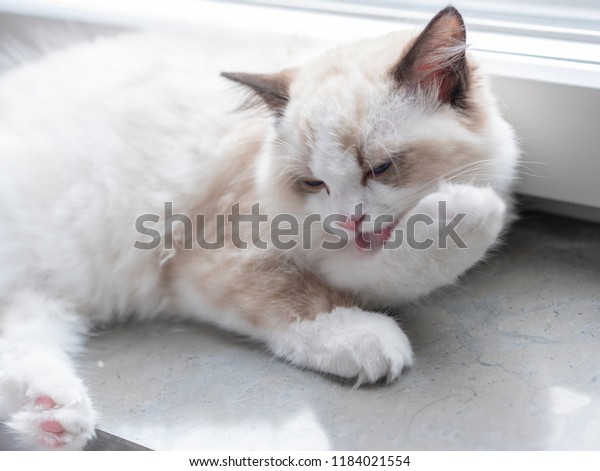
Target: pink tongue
{"x":372,"y":241}
{"x":362,"y":241}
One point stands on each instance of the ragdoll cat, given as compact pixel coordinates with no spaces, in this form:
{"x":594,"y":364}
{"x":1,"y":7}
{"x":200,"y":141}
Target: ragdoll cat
{"x":109,"y":152}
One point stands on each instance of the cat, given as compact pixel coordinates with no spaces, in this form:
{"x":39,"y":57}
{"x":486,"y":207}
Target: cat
{"x":111,"y":150}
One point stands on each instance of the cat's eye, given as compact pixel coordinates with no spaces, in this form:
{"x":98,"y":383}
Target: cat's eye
{"x":314,"y":183}
{"x":381,"y":168}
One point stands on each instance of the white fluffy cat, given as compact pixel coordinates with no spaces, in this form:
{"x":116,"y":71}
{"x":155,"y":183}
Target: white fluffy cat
{"x":99,"y":135}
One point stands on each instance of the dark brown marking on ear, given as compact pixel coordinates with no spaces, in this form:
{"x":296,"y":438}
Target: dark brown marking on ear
{"x":437,"y":58}
{"x":272,"y":89}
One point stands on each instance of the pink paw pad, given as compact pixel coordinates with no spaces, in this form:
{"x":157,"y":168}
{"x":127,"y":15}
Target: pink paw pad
{"x":52,"y":426}
{"x":44,"y":402}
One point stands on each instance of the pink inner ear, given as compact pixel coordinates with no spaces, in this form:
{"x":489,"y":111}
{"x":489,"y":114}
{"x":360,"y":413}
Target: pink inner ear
{"x":436,"y":60}
{"x":446,"y":83}
{"x":444,"y":80}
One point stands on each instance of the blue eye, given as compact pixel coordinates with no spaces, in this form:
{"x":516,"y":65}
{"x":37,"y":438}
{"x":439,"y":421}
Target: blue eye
{"x":314,"y":183}
{"x":381,"y":168}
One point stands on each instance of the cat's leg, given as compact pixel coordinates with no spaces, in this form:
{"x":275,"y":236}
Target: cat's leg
{"x":348,"y":342}
{"x":454,"y":249}
{"x":444,"y":235}
{"x":42,"y":400}
{"x":296,"y":314}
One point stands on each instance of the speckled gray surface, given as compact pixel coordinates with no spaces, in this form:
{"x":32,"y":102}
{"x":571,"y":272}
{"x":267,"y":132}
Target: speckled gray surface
{"x":507,"y":360}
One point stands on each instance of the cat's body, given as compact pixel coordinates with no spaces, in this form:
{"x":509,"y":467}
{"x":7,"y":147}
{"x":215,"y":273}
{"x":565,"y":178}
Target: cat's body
{"x":123,"y":126}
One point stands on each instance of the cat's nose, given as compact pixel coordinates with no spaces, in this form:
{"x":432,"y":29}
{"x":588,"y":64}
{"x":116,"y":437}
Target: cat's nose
{"x":352,"y":221}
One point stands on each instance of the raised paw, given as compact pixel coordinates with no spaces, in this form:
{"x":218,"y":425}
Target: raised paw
{"x":46,"y":423}
{"x":347,"y":342}
{"x":481,"y":210}
{"x":465,"y":217}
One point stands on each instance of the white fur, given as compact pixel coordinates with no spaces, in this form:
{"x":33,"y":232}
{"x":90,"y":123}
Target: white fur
{"x":97,"y":135}
{"x":66,"y":238}
{"x":38,"y":334}
{"x":347,"y":342}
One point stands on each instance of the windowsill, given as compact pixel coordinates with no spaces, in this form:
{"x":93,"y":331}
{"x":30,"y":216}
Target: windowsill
{"x":548,"y":88}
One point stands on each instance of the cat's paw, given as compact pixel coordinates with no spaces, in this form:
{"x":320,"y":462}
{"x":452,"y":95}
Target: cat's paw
{"x":470,"y":217}
{"x":347,"y":342}
{"x":484,"y":210}
{"x":61,"y":421}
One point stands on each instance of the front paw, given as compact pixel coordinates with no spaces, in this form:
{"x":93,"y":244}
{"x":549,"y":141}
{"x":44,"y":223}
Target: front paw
{"x":464,"y":216}
{"x":346,"y":342}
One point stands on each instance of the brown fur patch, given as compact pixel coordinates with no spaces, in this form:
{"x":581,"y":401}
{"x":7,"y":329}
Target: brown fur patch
{"x":262,"y":286}
{"x":423,"y":163}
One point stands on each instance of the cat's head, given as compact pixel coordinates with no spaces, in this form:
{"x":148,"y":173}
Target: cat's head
{"x":378,"y":123}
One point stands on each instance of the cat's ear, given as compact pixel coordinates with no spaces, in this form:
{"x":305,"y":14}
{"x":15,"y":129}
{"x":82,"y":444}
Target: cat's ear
{"x":436,"y":60}
{"x":272,"y":89}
